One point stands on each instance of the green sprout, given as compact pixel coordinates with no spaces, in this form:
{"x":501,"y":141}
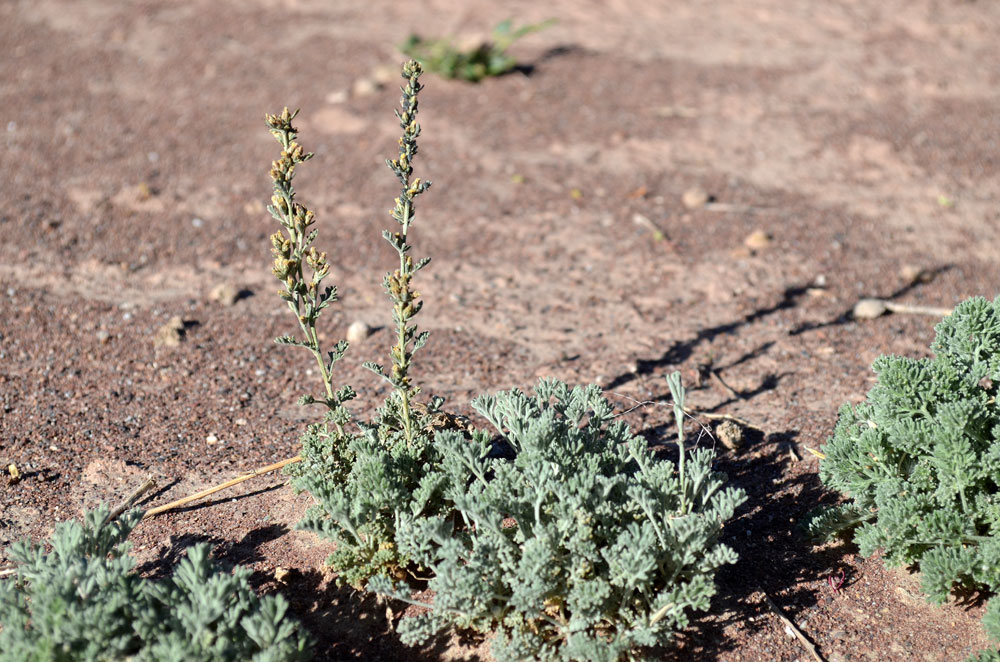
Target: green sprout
{"x":486,"y":60}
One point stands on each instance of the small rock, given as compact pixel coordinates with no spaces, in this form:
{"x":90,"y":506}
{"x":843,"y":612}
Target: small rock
{"x":225,"y":293}
{"x":364,"y":87}
{"x":385,"y":74}
{"x":730,"y":434}
{"x":357,"y":332}
{"x":281,"y":575}
{"x":103,"y":336}
{"x":694,"y":198}
{"x":170,"y":334}
{"x":335,"y":97}
{"x":211,"y":439}
{"x":913,"y":275}
{"x":757,"y":240}
{"x":240,"y":421}
{"x":868,"y":309}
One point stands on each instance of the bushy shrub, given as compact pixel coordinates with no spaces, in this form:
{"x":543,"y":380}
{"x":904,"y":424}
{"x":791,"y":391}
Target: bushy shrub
{"x":82,"y":602}
{"x":920,"y":460}
{"x":364,"y":483}
{"x":583,"y":547}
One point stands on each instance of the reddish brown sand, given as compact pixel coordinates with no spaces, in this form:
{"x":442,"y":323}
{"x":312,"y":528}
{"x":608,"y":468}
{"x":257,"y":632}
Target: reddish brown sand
{"x":860,"y":137}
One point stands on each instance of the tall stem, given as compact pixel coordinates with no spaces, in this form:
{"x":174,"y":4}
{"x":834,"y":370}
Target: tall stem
{"x":677,"y":391}
{"x":406,"y":302}
{"x":294,"y":252}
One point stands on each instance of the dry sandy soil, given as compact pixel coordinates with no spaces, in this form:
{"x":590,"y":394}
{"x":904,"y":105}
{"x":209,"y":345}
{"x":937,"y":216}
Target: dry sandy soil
{"x":860,"y":136}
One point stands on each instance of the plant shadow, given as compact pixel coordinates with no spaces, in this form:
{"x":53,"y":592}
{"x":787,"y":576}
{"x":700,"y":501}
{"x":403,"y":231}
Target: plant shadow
{"x":681,"y":351}
{"x":775,"y":557}
{"x":346,"y":624}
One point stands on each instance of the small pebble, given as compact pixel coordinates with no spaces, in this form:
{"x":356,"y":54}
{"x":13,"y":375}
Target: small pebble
{"x":335,"y":97}
{"x":757,"y":240}
{"x":364,"y":87}
{"x":694,"y":198}
{"x":868,"y":309}
{"x":240,"y":421}
{"x":730,"y":434}
{"x":357,"y":332}
{"x":103,"y":336}
{"x":197,"y":222}
{"x":385,"y":74}
{"x":211,"y":439}
{"x":170,"y":334}
{"x":913,"y":275}
{"x":225,"y":293}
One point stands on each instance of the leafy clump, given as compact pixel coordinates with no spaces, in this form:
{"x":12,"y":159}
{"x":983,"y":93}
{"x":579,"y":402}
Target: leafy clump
{"x":583,"y":547}
{"x":573,"y":543}
{"x":82,"y":601}
{"x":920,"y":460}
{"x":487,"y":59}
{"x":364,"y":480}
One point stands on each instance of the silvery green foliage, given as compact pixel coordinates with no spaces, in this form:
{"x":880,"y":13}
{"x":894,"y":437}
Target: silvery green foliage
{"x":363,"y":483}
{"x":579,"y":548}
{"x":83,"y":602}
{"x":920,"y":460}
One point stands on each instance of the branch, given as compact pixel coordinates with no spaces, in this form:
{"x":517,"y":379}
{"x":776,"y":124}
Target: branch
{"x":808,"y":645}
{"x":229,"y":483}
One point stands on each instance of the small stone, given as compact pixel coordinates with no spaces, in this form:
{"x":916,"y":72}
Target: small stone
{"x":913,"y":275}
{"x":281,"y":575}
{"x":757,"y":240}
{"x":357,"y":332}
{"x":103,"y":336}
{"x":730,"y":434}
{"x":868,"y":309}
{"x":364,"y":87}
{"x":211,"y":439}
{"x":240,"y":422}
{"x":694,"y":198}
{"x":225,"y":293}
{"x":170,"y":334}
{"x":335,"y":97}
{"x":385,"y":74}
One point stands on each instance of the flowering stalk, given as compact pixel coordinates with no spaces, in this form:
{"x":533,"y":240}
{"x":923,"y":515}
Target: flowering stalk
{"x":293,"y":253}
{"x":406,"y":303}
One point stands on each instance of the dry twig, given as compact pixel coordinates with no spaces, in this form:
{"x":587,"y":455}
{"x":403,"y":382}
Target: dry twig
{"x":808,"y":645}
{"x":218,"y":488}
{"x":132,"y":498}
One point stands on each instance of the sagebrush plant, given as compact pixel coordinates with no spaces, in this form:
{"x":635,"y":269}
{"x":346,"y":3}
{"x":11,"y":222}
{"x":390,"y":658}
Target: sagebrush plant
{"x":83,"y":602}
{"x":488,"y":59}
{"x":584,"y":547}
{"x":919,"y":461}
{"x":362,"y":480}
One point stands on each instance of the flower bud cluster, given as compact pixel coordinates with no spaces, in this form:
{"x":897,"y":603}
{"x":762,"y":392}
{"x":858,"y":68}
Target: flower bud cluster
{"x":398,"y":283}
{"x":293,"y":252}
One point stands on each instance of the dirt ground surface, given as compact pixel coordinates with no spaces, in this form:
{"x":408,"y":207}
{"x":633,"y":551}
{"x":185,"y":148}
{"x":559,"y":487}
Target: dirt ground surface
{"x":844,"y":146}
